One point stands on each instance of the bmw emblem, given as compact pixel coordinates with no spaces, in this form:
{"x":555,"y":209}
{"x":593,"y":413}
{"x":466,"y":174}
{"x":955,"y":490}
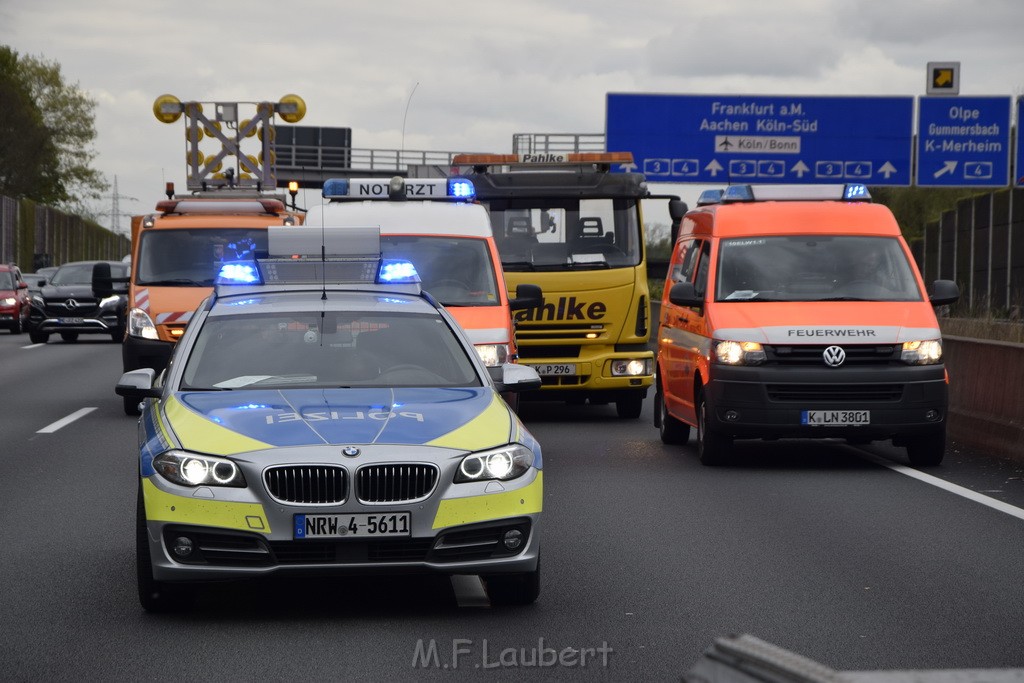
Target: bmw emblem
{"x":834,"y":356}
{"x":350,"y":451}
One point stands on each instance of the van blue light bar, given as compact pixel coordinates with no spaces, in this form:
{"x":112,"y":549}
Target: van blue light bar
{"x":710,"y":197}
{"x":793,"y":193}
{"x":398,"y":188}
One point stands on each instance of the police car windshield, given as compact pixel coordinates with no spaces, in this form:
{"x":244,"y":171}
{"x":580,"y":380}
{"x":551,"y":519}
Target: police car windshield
{"x":336,"y":349}
{"x":814,"y":268}
{"x":565,"y":234}
{"x":457,"y":271}
{"x":192,"y":257}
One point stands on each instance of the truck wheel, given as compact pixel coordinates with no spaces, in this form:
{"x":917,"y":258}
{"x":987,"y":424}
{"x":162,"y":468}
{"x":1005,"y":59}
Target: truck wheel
{"x":131,"y":406}
{"x":69,"y":336}
{"x":514,"y":589}
{"x":671,"y":430}
{"x":927,"y":451}
{"x":154,"y":596}
{"x":712,"y":447}
{"x":630,"y":406}
{"x":38,"y":337}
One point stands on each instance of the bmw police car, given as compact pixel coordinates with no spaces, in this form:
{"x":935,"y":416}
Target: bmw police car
{"x":325,"y":415}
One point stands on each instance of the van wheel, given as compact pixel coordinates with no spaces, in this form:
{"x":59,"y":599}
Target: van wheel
{"x":671,"y":430}
{"x":69,"y":336}
{"x":630,"y":406}
{"x":131,"y":406}
{"x":927,"y":451}
{"x":712,"y":448}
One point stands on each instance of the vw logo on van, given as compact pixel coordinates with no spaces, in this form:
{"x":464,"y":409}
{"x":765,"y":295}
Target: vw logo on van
{"x":834,"y":356}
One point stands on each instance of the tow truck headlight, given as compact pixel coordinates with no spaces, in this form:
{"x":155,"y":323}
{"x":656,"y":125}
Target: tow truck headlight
{"x":632,"y":367}
{"x":190,"y":469}
{"x":492,"y":355}
{"x":141,"y":325}
{"x":739,"y":353}
{"x":503,"y":463}
{"x":928,"y":352}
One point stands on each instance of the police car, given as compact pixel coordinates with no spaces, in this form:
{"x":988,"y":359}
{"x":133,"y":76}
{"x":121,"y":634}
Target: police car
{"x":322,"y":414}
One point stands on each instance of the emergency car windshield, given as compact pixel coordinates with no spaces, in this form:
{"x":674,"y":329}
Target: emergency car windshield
{"x":192,"y":257}
{"x":814,"y":268}
{"x":456,"y":271}
{"x":566,"y":234}
{"x":287,"y":349}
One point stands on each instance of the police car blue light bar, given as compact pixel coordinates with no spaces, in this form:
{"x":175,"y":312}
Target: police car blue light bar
{"x":789,"y":193}
{"x":397,"y":271}
{"x":239,"y":273}
{"x":460,"y":189}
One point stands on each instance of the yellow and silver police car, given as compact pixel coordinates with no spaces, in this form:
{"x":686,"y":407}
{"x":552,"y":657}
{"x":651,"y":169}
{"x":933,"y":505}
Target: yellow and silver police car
{"x":322,"y":414}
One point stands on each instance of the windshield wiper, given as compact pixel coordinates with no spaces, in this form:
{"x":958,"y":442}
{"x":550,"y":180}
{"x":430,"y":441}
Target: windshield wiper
{"x":516,"y":265}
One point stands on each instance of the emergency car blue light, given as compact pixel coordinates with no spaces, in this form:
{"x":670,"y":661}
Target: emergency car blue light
{"x":395,"y":271}
{"x":856,"y":191}
{"x":239,"y":273}
{"x":462,"y":188}
{"x":709,"y":197}
{"x":336,"y":187}
{"x":738,"y":193}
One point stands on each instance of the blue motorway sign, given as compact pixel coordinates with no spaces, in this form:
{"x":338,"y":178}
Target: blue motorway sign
{"x":963,"y":141}
{"x":720,"y":139}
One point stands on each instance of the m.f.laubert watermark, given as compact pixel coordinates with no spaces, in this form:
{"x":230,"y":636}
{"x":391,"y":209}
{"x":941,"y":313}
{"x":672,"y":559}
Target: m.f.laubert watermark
{"x":481,"y":654}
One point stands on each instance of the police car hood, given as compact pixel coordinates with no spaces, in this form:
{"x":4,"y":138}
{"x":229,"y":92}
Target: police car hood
{"x":227,"y":422}
{"x":825,"y":322}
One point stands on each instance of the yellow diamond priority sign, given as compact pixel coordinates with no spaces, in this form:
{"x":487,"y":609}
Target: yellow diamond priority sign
{"x":943,"y":78}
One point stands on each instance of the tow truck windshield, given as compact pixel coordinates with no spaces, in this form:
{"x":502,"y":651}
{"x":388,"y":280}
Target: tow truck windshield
{"x":192,"y":257}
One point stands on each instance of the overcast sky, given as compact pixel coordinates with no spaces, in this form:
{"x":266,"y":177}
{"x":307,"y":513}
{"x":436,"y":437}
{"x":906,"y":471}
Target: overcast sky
{"x":480,"y":72}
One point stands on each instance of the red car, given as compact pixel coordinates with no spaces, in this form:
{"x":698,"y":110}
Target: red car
{"x":14,"y":303}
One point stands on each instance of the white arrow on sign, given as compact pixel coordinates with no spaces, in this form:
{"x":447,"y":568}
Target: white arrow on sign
{"x":800,"y":168}
{"x":628,"y":168}
{"x":887,"y":170}
{"x":948,"y":167}
{"x":714,"y":167}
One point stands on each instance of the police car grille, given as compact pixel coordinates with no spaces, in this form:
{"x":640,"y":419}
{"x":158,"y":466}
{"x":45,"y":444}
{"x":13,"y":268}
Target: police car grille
{"x":814,"y":354}
{"x":307,"y":484}
{"x":835,"y":393}
{"x":395,"y":483}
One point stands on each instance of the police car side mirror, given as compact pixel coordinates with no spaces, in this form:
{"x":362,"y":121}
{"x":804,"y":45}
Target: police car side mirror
{"x":684,"y":294}
{"x":138,"y":384}
{"x":944,"y":292}
{"x":527,"y":296}
{"x":515,"y":377}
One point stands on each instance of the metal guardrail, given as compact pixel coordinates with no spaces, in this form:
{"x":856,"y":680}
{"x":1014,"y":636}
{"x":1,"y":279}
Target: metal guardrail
{"x":540,"y":143}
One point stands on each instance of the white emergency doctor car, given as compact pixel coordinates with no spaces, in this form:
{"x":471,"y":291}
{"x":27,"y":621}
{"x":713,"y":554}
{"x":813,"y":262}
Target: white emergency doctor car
{"x":322,"y":414}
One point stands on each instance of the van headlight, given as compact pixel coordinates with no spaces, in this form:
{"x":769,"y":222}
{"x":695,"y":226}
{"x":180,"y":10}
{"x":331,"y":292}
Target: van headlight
{"x":739,"y":353}
{"x":492,"y":355}
{"x":501,"y":463}
{"x":191,"y":469}
{"x":928,"y":352}
{"x":141,"y":325}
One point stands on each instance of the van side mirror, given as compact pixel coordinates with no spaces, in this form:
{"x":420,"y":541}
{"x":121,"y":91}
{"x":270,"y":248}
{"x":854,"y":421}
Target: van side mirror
{"x":944,"y":292}
{"x":102,"y":285}
{"x":527,"y":296}
{"x":684,"y":294}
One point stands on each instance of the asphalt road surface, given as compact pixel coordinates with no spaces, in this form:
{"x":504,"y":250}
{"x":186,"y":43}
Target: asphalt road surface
{"x":842,"y":554}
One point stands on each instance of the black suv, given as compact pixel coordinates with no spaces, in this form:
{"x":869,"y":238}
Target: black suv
{"x":82,"y":297}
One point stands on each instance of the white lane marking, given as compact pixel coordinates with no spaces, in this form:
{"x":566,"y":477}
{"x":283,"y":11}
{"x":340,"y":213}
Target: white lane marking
{"x":65,"y":421}
{"x":469,"y":591}
{"x":947,"y":486}
{"x":33,"y":346}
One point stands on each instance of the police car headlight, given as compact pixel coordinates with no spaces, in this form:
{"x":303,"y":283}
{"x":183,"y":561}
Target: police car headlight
{"x":739,"y":353}
{"x":141,"y":325}
{"x":492,"y":355}
{"x":502,"y":463}
{"x":631,"y":368}
{"x":190,"y":469}
{"x":928,"y":352}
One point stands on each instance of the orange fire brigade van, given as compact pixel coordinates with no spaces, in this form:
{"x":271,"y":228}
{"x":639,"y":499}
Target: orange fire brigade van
{"x":438,"y":226}
{"x":798,"y":312}
{"x":175,"y":257}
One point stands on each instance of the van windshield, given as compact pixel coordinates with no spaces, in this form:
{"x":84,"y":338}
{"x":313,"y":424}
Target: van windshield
{"x":457,"y":271}
{"x":192,"y":257}
{"x":814,"y":268}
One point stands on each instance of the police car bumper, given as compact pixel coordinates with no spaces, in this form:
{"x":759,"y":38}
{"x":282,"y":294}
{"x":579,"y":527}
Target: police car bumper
{"x":459,"y":528}
{"x":859,"y":403}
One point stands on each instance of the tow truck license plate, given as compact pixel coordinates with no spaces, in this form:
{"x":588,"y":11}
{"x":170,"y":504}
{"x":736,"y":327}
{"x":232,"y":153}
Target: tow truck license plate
{"x":352,"y":526}
{"x":835,"y":418}
{"x":549,"y":369}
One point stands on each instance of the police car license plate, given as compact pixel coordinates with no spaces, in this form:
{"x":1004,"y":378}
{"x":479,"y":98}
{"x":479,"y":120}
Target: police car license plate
{"x":70,"y":321}
{"x":835,"y":418}
{"x":352,"y":526}
{"x":550,"y":369}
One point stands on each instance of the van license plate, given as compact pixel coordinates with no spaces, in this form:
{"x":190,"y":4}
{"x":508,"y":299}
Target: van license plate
{"x":550,"y":369}
{"x":357,"y":525}
{"x":835,"y":418}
